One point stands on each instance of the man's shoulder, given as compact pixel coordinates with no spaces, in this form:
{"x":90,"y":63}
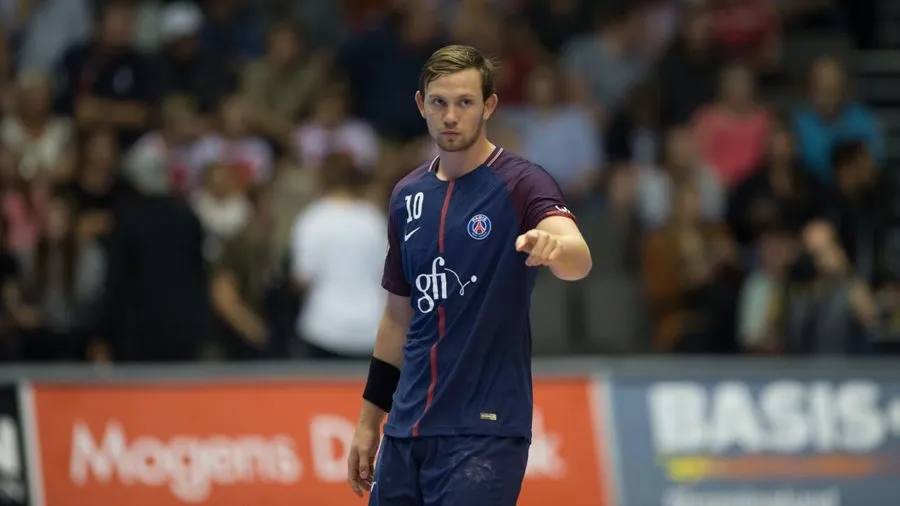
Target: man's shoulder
{"x":514,"y":168}
{"x":413,"y":177}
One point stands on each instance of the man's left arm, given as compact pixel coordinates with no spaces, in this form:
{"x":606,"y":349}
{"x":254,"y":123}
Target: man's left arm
{"x":550,"y":235}
{"x":557,"y":243}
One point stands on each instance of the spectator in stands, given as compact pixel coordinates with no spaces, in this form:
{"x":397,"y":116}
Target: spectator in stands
{"x":293,"y":188}
{"x":690,"y":68}
{"x":733,"y":131}
{"x":233,"y":144}
{"x":222,"y":204}
{"x":687,"y":267}
{"x":334,"y":262}
{"x":780,"y":193}
{"x":860,"y":206}
{"x":21,"y":203}
{"x":186,"y":67}
{"x":603,"y":65}
{"x":62,"y":283}
{"x":680,"y":166}
{"x":831,"y":117}
{"x":98,"y":189}
{"x":242,"y":277}
{"x":31,"y":131}
{"x":106,"y":82}
{"x":281,"y":85}
{"x":156,"y":301}
{"x":49,"y":29}
{"x":560,"y":136}
{"x":829,"y":310}
{"x":330,"y":129}
{"x":749,"y":30}
{"x":634,"y":135}
{"x":762,"y":293}
{"x":168,"y":149}
{"x":382,"y":66}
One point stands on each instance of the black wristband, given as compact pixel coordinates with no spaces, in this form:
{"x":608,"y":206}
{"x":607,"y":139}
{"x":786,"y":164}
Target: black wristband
{"x":382,"y":383}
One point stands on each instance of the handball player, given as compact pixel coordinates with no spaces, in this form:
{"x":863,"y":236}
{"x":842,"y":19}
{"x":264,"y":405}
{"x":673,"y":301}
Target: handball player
{"x":451,"y":368}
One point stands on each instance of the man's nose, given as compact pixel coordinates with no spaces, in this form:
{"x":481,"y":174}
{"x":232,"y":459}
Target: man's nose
{"x":451,"y":118}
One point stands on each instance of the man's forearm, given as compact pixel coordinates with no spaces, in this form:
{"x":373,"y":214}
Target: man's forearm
{"x":389,"y":344}
{"x":575,"y":261}
{"x":390,"y":341}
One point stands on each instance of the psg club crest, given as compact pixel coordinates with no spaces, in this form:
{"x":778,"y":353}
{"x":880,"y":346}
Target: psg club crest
{"x":479,"y":227}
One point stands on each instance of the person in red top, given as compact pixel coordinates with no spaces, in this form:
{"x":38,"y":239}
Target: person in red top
{"x":733,"y":131}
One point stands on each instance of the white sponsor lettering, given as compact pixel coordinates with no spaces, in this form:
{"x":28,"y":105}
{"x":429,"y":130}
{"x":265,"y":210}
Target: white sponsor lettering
{"x":12,"y":485}
{"x":544,"y":460}
{"x":188,"y":465}
{"x":783,"y":417}
{"x":433,"y":287}
{"x":330,"y":438}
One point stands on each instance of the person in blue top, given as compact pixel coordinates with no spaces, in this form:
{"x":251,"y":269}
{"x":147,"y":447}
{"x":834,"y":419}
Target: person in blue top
{"x":451,"y":368}
{"x":830,"y":118}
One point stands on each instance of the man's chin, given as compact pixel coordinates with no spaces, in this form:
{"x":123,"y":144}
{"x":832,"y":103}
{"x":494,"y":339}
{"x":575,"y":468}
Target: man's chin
{"x":451,"y":147}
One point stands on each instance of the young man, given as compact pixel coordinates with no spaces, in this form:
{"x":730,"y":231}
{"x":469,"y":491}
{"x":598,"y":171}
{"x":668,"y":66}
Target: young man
{"x":452,"y":359}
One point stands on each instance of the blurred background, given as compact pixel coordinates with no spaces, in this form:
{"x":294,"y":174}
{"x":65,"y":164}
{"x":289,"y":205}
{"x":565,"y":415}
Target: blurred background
{"x":184,"y":181}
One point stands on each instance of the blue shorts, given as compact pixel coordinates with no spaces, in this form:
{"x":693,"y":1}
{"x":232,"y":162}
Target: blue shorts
{"x":449,"y":471}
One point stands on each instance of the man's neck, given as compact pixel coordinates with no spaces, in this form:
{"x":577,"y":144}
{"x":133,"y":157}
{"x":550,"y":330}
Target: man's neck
{"x":456,"y":164}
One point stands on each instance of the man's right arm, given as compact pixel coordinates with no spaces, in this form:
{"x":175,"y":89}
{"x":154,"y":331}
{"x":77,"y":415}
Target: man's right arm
{"x":389,"y":344}
{"x":387,"y":357}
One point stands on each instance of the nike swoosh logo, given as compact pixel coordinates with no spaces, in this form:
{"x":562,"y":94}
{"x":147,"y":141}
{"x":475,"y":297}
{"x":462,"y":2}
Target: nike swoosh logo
{"x":410,"y":233}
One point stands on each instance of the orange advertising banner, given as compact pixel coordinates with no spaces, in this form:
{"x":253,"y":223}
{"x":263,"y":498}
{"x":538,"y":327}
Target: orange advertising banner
{"x":239,"y":444}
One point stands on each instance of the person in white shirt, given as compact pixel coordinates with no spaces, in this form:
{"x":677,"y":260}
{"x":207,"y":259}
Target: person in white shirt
{"x":337,"y":259}
{"x":34,"y":135}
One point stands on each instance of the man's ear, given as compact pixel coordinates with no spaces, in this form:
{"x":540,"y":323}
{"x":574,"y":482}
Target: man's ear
{"x":490,"y":105}
{"x":420,"y":103}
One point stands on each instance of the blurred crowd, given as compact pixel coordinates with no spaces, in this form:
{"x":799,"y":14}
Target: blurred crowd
{"x":207,"y":180}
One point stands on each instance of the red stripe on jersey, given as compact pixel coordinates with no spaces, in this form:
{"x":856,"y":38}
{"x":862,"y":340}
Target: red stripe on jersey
{"x":442,"y":318}
{"x":444,"y":217}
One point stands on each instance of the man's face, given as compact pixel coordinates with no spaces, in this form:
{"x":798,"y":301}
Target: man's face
{"x":454,"y":109}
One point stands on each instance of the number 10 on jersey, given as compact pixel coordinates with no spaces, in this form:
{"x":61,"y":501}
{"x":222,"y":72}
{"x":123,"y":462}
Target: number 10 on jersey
{"x":414,"y":206}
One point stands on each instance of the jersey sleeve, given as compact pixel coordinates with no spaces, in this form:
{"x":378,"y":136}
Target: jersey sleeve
{"x":538,"y":196}
{"x":393,"y":279}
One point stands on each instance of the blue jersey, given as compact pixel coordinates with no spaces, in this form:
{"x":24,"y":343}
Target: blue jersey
{"x":467,"y":361}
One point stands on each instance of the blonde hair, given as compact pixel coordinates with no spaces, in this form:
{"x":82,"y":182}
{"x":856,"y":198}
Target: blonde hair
{"x":457,"y":58}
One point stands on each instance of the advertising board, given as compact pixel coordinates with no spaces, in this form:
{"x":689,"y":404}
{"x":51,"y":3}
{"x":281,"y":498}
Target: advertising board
{"x":13,"y":470}
{"x":758,"y":442}
{"x":233,"y":444}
